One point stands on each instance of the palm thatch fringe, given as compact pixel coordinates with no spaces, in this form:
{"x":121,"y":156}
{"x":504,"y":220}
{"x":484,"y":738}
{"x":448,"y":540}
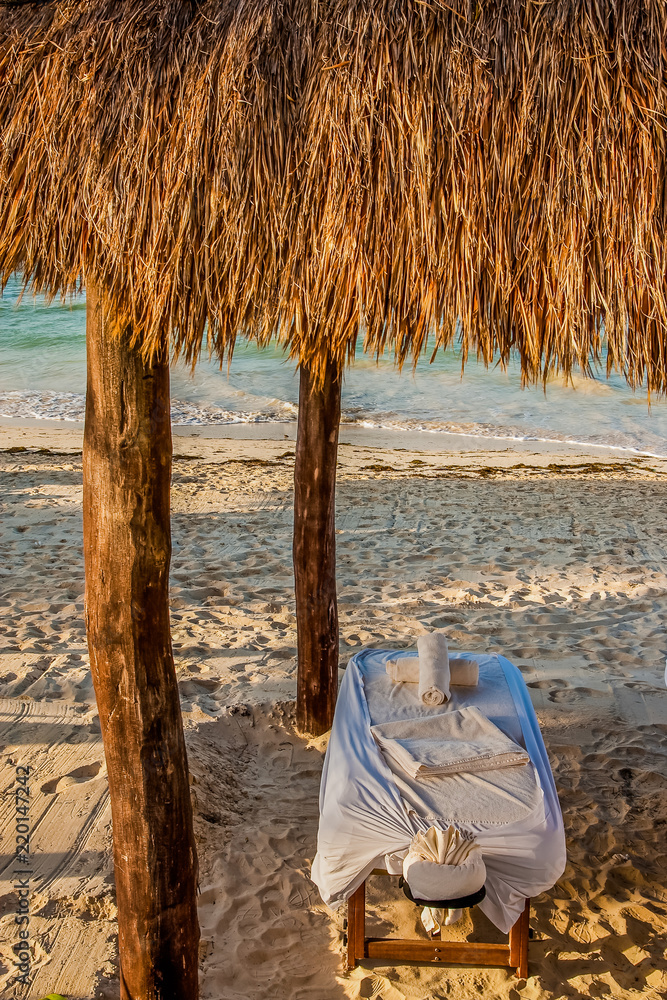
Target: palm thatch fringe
{"x":320,"y":169}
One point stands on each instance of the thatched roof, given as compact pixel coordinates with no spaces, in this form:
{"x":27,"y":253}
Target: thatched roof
{"x":320,"y":168}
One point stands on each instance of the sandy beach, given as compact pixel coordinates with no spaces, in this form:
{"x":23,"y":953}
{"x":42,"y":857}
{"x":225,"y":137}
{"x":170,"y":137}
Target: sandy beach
{"x":554,"y":556}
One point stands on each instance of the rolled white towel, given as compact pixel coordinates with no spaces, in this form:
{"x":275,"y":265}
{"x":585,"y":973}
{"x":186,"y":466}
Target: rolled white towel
{"x":433,"y":668}
{"x":405,"y":670}
{"x":463,"y":673}
{"x":443,"y":865}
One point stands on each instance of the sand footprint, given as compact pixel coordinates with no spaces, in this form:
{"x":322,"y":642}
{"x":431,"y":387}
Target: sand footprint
{"x":571,"y":694}
{"x":76,"y":777}
{"x":640,"y":686}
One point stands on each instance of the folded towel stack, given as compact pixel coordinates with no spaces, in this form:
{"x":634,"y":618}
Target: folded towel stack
{"x":405,"y":670}
{"x":455,"y":743}
{"x":443,"y":865}
{"x":433,"y":668}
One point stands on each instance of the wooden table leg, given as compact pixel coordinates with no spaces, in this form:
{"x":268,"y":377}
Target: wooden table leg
{"x":409,"y":950}
{"x":519,"y":943}
{"x":356,"y":926}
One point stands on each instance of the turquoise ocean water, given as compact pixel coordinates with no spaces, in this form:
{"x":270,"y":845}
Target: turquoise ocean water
{"x":42,"y":375}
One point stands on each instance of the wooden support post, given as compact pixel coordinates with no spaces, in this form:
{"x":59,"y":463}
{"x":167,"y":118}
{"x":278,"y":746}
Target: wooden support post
{"x":127,"y":544}
{"x":314,"y":549}
{"x":356,"y":926}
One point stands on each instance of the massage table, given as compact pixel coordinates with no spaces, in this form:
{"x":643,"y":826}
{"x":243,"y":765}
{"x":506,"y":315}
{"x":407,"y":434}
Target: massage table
{"x":368,"y":813}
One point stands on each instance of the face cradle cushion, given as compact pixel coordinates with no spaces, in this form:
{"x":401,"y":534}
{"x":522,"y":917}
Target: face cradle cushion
{"x":445,"y":904}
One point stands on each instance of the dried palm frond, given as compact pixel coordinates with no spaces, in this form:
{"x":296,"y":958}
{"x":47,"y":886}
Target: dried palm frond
{"x":319,"y":169}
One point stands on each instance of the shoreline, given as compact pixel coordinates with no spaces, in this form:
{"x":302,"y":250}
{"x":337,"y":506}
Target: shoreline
{"x":211,"y":441}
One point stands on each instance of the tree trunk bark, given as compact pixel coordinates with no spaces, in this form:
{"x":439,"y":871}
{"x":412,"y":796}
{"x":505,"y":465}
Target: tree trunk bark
{"x":314,"y":550}
{"x":127,"y":544}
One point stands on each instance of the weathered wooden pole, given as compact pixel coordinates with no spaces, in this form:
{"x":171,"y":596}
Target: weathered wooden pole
{"x":314,"y":549}
{"x":127,"y":544}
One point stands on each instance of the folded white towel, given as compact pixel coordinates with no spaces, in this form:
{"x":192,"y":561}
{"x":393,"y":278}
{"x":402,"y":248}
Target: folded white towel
{"x":405,"y":670}
{"x":453,"y":743}
{"x":433,"y":668}
{"x":443,"y":865}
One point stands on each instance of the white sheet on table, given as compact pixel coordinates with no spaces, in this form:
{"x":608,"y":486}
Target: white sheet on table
{"x":363,"y":816}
